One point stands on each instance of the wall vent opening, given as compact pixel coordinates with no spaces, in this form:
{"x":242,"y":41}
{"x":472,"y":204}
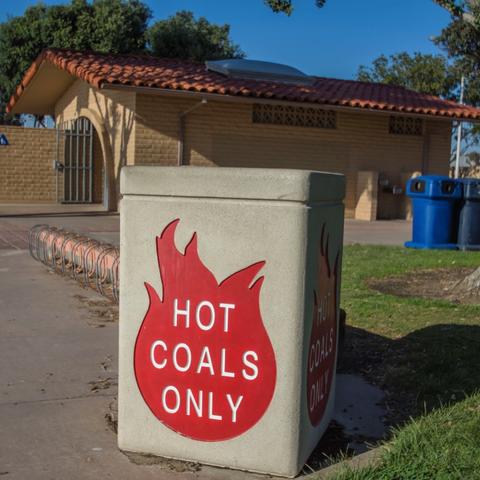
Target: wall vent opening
{"x":398,"y":125}
{"x":293,"y":116}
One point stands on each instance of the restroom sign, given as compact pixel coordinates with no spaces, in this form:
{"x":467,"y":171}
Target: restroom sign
{"x":203,"y":360}
{"x":3,"y":140}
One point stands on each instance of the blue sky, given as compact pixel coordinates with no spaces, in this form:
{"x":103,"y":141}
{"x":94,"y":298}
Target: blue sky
{"x":331,"y":42}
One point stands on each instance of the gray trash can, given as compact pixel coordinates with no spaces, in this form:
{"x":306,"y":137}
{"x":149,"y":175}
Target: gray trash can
{"x":469,"y":223}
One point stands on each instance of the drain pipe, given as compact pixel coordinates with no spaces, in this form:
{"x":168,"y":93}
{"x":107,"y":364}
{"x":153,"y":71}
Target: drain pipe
{"x":181,"y":133}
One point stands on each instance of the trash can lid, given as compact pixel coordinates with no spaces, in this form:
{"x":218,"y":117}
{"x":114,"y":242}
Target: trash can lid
{"x":471,"y":188}
{"x":434,"y":186}
{"x":239,"y":183}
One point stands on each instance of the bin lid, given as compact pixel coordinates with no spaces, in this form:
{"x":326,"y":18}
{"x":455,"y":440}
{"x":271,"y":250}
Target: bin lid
{"x":434,"y":186}
{"x":239,"y":183}
{"x":471,"y":188}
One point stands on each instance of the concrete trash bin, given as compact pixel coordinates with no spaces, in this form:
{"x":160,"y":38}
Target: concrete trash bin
{"x":435,"y":200}
{"x":229,"y":308}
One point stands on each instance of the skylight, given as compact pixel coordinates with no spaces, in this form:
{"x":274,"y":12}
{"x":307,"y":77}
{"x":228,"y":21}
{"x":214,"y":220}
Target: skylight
{"x":258,"y":70}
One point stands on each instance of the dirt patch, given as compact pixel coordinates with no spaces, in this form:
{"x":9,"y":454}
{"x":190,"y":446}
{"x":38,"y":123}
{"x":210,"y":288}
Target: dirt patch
{"x":177,"y":466}
{"x":102,"y":384}
{"x":111,"y":417}
{"x":100,"y":312}
{"x":436,"y":284}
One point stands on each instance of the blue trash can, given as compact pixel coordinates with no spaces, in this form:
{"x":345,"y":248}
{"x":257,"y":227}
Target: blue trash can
{"x":469,"y":223}
{"x":435,"y":202}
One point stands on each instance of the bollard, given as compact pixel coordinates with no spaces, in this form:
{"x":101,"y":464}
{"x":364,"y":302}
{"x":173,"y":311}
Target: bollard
{"x":229,"y":311}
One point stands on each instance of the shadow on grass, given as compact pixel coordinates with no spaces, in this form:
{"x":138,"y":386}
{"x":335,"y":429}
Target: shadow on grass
{"x":426,"y":369}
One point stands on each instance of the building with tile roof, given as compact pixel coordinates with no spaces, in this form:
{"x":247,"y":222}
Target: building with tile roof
{"x":150,"y":111}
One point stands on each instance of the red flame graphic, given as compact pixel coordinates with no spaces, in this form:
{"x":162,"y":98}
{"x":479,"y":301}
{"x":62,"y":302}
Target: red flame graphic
{"x":323,"y":338}
{"x":203,"y":360}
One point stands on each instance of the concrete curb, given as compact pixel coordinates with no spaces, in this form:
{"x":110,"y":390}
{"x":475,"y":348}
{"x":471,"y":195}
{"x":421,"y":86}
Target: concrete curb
{"x":372,"y":457}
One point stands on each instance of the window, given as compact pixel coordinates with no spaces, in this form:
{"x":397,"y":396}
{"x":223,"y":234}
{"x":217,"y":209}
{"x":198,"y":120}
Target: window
{"x":405,"y":125}
{"x":293,"y":116}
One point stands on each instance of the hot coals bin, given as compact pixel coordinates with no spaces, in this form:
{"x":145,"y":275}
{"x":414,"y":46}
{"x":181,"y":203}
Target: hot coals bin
{"x":229,"y":298}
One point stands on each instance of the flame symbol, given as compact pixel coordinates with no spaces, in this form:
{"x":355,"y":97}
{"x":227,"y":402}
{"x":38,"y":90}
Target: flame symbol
{"x":204,"y":363}
{"x":323,"y":338}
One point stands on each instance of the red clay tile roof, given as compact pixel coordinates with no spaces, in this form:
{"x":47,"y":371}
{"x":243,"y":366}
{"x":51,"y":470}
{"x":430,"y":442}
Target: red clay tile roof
{"x":100,"y":70}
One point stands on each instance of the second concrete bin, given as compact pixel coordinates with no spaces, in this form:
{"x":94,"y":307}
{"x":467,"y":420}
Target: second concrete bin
{"x":230,"y":282}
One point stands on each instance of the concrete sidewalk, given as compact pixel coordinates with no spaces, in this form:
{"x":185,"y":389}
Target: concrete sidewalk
{"x":58,"y":352}
{"x":91,"y":220}
{"x":381,"y":232}
{"x":94,"y":221}
{"x":58,"y":381}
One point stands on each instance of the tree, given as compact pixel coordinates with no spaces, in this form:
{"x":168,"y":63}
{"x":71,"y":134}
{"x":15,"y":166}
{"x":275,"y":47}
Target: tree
{"x":457,"y":9}
{"x":430,"y":74}
{"x":461,"y":38}
{"x":182,"y":36}
{"x":110,"y":26}
{"x":286,"y":6}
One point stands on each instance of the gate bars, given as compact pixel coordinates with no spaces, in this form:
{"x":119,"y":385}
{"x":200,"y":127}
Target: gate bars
{"x":78,"y":161}
{"x":94,"y":264}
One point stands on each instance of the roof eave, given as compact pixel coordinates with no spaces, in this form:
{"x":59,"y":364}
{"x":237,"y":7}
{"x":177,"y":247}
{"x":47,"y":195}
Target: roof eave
{"x":252,"y":99}
{"x":40,"y":91}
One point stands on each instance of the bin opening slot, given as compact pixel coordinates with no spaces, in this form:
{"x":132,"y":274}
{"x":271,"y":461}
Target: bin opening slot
{"x":448,"y":187}
{"x":418,"y":186}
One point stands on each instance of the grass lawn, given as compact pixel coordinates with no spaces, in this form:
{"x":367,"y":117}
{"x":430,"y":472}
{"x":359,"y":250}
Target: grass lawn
{"x":442,"y":445}
{"x":425,"y":355}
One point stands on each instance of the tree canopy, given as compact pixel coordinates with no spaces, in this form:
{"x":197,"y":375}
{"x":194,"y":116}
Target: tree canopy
{"x":107,"y":26}
{"x":429,"y":74}
{"x":286,"y":6}
{"x":182,"y":36}
{"x":461,"y":38}
{"x":114,"y":26}
{"x":455,"y":7}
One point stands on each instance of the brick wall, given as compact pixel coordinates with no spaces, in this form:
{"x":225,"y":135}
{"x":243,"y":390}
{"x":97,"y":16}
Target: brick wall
{"x":26,"y":173}
{"x":223,"y":134}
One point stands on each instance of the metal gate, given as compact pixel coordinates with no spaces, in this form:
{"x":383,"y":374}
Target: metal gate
{"x":78,"y":161}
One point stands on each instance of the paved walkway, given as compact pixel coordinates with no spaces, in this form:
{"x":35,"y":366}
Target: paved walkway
{"x":381,"y":232}
{"x":58,"y":382}
{"x":16,"y":220}
{"x":92,"y":220}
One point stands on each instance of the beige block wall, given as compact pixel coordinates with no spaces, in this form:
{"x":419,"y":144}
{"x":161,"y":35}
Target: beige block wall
{"x":116,"y":111}
{"x":223,"y":134}
{"x":26,"y":170}
{"x":144,"y":130}
{"x":98,"y":170}
{"x":367,"y":196}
